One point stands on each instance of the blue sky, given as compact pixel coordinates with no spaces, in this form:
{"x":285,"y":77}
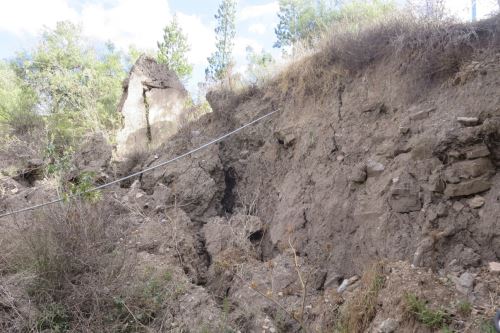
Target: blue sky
{"x":140,"y":23}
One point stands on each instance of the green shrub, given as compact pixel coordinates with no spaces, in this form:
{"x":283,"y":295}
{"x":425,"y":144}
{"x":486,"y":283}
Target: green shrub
{"x":53,"y":317}
{"x":82,"y":188}
{"x":140,"y":305}
{"x":17,"y":104}
{"x":486,"y":326}
{"x":418,"y":308}
{"x":464,"y":308}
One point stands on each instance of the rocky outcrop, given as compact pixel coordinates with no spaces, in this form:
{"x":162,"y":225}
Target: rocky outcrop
{"x":151,"y":105}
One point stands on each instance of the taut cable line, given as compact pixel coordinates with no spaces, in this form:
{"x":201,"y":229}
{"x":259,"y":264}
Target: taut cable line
{"x":140,"y":172}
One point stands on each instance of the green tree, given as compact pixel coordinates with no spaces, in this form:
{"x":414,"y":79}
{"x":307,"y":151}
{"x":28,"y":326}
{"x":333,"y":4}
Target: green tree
{"x":220,"y":60}
{"x":172,"y":51}
{"x":77,"y":90}
{"x":17,"y":103}
{"x":300,"y":20}
{"x":291,"y":12}
{"x":303,"y":21}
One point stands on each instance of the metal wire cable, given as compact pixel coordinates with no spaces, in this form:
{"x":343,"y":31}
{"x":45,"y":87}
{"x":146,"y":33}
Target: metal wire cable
{"x":142,"y":171}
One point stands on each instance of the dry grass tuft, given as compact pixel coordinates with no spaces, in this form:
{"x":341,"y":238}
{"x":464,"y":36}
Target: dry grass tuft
{"x":424,"y":51}
{"x":79,"y":276}
{"x":307,"y":78}
{"x":361,"y":309}
{"x":75,"y":263}
{"x":426,"y":48}
{"x":22,"y":123}
{"x":75,"y":256}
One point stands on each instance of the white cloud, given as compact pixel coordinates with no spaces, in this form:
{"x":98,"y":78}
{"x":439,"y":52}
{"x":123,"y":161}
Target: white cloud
{"x":201,"y":38}
{"x":241,"y":69}
{"x":257,"y":28}
{"x":463,"y":8}
{"x":252,"y":12}
{"x":126,"y":22}
{"x":29,"y":16}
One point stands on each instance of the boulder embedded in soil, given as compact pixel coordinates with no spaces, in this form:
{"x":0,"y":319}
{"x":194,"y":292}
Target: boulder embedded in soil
{"x":464,"y":283}
{"x":358,"y":174}
{"x":477,"y":151}
{"x":388,"y":326}
{"x":152,"y":104}
{"x":469,"y":187}
{"x":470,"y":168}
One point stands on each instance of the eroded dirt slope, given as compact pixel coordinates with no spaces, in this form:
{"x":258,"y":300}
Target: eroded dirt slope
{"x":270,"y":229}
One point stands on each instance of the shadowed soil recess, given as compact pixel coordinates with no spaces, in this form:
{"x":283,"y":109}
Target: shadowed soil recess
{"x":369,"y":203}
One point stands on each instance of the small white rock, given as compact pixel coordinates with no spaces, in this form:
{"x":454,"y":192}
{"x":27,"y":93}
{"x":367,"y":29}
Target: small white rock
{"x":346,"y":283}
{"x":476,"y":202}
{"x":388,"y":326}
{"x":494,"y":267}
{"x":468,"y":121}
{"x":374,"y":168}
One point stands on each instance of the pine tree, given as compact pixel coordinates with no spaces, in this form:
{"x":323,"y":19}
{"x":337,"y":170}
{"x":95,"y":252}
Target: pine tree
{"x":287,"y":31}
{"x":303,"y":21}
{"x":300,"y":20}
{"x":173,"y":49}
{"x":220,"y":60}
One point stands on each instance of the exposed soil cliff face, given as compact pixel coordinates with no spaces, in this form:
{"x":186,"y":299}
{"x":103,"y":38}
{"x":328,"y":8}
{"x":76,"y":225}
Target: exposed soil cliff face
{"x":375,"y":182}
{"x":271,"y":229}
{"x":353,"y":169}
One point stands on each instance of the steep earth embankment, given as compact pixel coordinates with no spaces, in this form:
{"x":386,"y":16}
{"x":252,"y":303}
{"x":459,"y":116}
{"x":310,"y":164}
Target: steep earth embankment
{"x":381,"y":158}
{"x":382,"y":164}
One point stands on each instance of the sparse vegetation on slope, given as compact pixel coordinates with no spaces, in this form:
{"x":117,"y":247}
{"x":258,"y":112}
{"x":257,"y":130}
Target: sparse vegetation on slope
{"x":423,"y":52}
{"x":360,"y":310}
{"x":427,"y":316}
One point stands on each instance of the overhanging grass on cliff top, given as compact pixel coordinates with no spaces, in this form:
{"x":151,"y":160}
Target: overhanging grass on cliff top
{"x":432,"y":47}
{"x":424,"y":50}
